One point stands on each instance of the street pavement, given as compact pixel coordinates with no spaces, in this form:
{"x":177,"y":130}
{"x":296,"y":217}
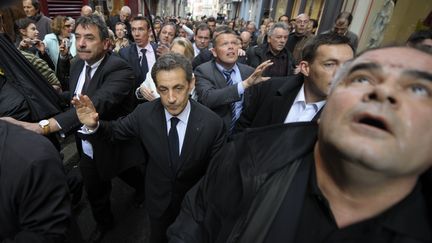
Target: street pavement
{"x":132,"y":225}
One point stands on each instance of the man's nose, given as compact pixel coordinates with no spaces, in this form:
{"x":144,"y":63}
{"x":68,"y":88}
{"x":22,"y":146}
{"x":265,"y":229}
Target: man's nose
{"x":384,"y":93}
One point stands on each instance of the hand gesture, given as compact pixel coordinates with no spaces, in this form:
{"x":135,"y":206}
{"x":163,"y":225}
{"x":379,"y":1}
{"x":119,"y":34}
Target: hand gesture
{"x":256,"y":77}
{"x":86,"y":111}
{"x":147,"y":93}
{"x":39,"y":45}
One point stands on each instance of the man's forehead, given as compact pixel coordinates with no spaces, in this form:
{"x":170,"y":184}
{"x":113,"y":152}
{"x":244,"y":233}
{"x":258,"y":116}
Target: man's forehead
{"x":397,"y":57}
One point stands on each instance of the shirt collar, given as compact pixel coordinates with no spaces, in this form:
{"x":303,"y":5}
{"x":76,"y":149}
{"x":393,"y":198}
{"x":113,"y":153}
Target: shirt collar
{"x":95,"y":65}
{"x":183,"y":116}
{"x":221,"y":68}
{"x":300,"y":98}
{"x":148,"y":47}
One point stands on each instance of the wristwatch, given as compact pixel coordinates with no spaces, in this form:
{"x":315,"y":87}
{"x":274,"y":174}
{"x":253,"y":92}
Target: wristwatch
{"x":44,"y":124}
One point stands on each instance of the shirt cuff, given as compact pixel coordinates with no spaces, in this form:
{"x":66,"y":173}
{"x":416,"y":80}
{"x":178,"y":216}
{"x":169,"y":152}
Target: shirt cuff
{"x":240,"y":88}
{"x":85,"y":130}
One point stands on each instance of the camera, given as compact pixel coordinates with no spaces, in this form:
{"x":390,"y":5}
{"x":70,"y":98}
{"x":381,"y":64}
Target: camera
{"x":66,"y":42}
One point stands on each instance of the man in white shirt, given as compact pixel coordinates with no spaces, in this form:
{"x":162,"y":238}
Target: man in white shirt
{"x":141,"y":55}
{"x":301,"y":97}
{"x":201,"y":39}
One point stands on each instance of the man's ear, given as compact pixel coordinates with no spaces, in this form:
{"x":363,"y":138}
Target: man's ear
{"x":214,"y":52}
{"x":192,"y":83}
{"x":106,"y":44}
{"x":304,"y":68}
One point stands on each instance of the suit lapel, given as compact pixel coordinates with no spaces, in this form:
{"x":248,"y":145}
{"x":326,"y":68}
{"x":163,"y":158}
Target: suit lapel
{"x":193,"y":132}
{"x":160,"y":127}
{"x":75,"y":73}
{"x":284,"y":99}
{"x":94,"y":82}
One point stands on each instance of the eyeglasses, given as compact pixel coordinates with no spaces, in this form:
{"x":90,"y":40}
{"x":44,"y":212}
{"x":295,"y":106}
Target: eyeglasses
{"x":67,"y":25}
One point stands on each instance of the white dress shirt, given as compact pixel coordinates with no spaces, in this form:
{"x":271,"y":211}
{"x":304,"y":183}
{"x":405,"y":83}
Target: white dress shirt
{"x":86,"y":145}
{"x":301,"y":111}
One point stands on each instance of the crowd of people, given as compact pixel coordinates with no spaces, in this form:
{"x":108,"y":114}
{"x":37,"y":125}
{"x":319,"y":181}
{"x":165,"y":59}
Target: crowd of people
{"x":227,"y":132}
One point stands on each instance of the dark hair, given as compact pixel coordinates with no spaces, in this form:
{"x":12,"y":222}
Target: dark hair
{"x":23,"y":23}
{"x":36,"y":4}
{"x":96,"y":20}
{"x":202,"y":26}
{"x":418,"y":36}
{"x":226,"y":30}
{"x":137,"y":18}
{"x":311,"y":46}
{"x":284,"y":15}
{"x":170,"y":24}
{"x":172,"y":61}
{"x":211,"y":19}
{"x":345,"y":15}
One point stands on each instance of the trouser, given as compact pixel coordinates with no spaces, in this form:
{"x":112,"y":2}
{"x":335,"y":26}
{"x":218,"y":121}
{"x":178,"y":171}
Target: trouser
{"x":99,"y":189}
{"x":159,"y":225}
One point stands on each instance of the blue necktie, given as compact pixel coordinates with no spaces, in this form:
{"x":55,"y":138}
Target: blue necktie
{"x":143,"y":63}
{"x":173,"y":142}
{"x":229,"y":81}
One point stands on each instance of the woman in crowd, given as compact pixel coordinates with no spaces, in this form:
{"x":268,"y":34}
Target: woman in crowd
{"x":147,"y":90}
{"x":28,"y":40}
{"x":61,"y":48}
{"x":121,"y":39}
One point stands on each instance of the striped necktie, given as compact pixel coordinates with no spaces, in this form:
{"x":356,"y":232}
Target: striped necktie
{"x":229,"y":81}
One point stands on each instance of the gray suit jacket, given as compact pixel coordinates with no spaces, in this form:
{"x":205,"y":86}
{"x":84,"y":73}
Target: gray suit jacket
{"x":213,"y":92}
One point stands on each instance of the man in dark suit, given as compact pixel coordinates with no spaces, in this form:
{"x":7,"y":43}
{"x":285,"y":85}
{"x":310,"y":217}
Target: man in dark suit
{"x":221,"y":83}
{"x":363,"y":171}
{"x":179,"y":135}
{"x":275,"y":50}
{"x":34,"y":197}
{"x":141,"y":55}
{"x":108,"y":80}
{"x":301,"y":97}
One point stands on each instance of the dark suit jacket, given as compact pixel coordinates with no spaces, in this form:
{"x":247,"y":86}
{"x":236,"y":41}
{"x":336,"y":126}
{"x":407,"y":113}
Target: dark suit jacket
{"x":204,"y":136}
{"x":213,"y":92}
{"x":111,"y":91}
{"x":258,"y":54}
{"x":251,"y":171}
{"x":270,"y":102}
{"x":34,"y":197}
{"x":130,"y":55}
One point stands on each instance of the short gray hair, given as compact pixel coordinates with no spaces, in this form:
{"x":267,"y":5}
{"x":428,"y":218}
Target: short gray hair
{"x":281,"y":25}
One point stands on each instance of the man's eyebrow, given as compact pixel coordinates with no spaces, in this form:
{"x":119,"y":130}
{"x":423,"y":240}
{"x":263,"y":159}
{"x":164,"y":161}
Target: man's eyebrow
{"x":419,"y":74}
{"x":366,"y":66}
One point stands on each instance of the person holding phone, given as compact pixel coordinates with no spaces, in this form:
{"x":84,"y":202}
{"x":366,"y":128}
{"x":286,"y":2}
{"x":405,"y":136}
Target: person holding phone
{"x":61,"y":48}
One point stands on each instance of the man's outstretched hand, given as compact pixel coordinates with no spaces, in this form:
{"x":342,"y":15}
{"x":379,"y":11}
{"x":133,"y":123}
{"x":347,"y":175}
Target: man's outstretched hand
{"x":86,"y":111}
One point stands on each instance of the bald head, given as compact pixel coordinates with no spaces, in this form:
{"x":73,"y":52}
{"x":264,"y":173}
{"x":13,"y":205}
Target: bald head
{"x":245,"y":37}
{"x":125,"y":13}
{"x":86,"y":10}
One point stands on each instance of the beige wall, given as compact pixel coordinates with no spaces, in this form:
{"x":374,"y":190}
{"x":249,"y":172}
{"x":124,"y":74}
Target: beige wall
{"x":407,"y":14}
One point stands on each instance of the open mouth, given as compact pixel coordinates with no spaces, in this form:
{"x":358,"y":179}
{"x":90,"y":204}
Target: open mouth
{"x":375,"y":122}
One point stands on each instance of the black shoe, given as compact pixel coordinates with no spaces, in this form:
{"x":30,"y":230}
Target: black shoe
{"x":98,"y":234}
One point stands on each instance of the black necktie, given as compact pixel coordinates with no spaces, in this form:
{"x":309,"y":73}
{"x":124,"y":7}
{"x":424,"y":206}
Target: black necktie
{"x":143,"y":63}
{"x":229,"y":81}
{"x":173,"y":141}
{"x":86,"y":80}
